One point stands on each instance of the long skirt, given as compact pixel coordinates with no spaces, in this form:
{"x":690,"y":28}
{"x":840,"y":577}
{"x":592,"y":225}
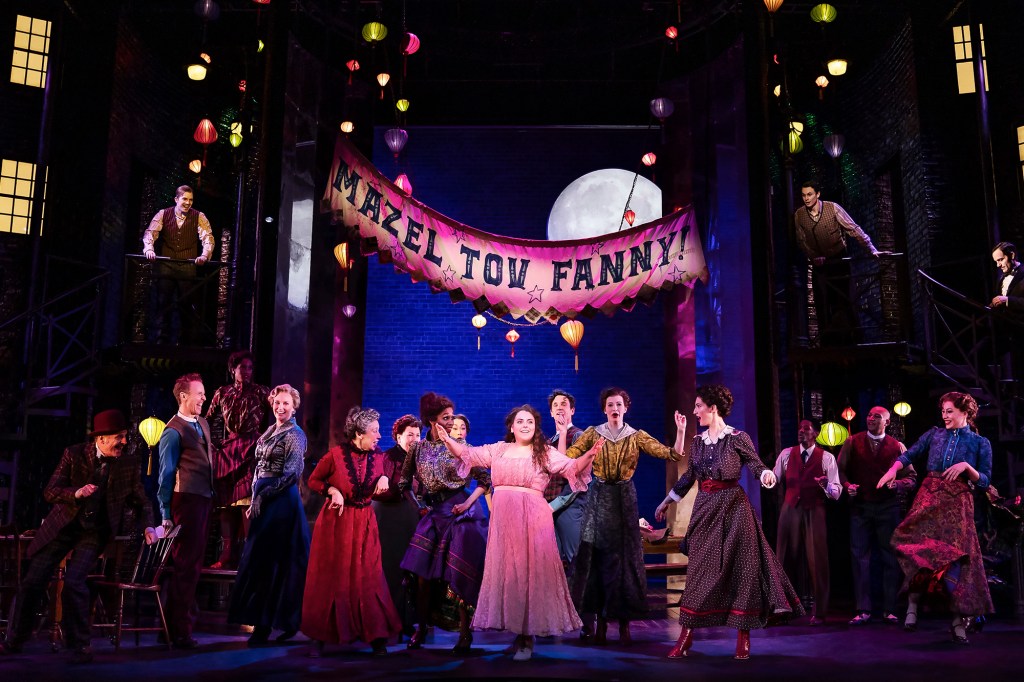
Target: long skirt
{"x":733,"y":577}
{"x":937,"y":546}
{"x":449,"y":550}
{"x":396,"y":522}
{"x":272,"y":571}
{"x":608,"y":575}
{"x":346,"y":598}
{"x":234,"y":464}
{"x":524,"y":589}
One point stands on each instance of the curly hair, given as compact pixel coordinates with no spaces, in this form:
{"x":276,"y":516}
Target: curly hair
{"x":615,"y":390}
{"x":358,"y":421}
{"x":431,"y":405}
{"x":404,"y":422}
{"x":539,"y":443}
{"x":236,"y":358}
{"x":964,"y":402}
{"x":285,"y":388}
{"x":716,"y":395}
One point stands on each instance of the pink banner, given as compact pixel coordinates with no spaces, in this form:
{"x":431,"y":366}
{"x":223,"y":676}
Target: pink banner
{"x":522,"y":277}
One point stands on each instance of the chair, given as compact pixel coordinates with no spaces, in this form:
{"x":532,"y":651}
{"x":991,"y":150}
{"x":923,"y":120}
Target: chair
{"x":10,"y":575}
{"x":145,"y":577}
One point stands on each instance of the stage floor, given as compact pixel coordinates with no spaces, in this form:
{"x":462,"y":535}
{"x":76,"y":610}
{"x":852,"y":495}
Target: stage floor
{"x":792,"y":652}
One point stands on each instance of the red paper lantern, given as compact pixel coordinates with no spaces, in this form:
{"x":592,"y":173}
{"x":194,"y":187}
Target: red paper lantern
{"x":353,"y":66}
{"x":410,"y":44}
{"x":672,"y":32}
{"x":848,"y":414}
{"x":649,"y":159}
{"x":629,"y":216}
{"x":206,"y":134}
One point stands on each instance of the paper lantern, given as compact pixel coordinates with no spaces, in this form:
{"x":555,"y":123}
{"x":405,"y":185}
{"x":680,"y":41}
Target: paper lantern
{"x":403,"y":183}
{"x":823,"y":13}
{"x":402,"y":105}
{"x":353,"y":66}
{"x":649,"y":159}
{"x":777,"y":91}
{"x":821,"y":82}
{"x":195,"y":165}
{"x":259,"y":46}
{"x":395,"y":139}
{"x":349,"y":310}
{"x":347,"y":126}
{"x":848,"y":414}
{"x":671,"y":32}
{"x":796,"y":127}
{"x":572,"y":332}
{"x":236,"y":134}
{"x":792,"y":143}
{"x":262,"y":2}
{"x":630,"y":216}
{"x":512,"y":336}
{"x":834,"y":144}
{"x":374,"y":32}
{"x":832,"y":435}
{"x":151,"y":428}
{"x":341,"y":255}
{"x":837,"y":67}
{"x":196,"y":70}
{"x":410,"y":44}
{"x":208,"y":10}
{"x":901,"y":408}
{"x":205,"y":134}
{"x":478,"y":321}
{"x":772,"y":5}
{"x":662,"y":108}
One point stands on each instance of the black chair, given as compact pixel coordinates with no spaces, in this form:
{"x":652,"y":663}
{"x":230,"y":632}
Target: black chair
{"x":145,"y":577}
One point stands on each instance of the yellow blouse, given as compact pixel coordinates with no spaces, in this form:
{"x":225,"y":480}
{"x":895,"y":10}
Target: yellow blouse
{"x":617,"y":460}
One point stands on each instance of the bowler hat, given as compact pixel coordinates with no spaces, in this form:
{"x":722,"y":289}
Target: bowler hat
{"x":108,"y":422}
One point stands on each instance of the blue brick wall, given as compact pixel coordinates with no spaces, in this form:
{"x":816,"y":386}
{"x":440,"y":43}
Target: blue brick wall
{"x":504,"y":180}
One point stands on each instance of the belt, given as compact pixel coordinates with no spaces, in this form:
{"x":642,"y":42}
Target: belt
{"x":606,"y":482}
{"x":713,"y":486}
{"x":518,"y":488}
{"x":442,"y":495}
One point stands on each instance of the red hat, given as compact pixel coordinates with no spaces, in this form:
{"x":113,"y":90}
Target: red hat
{"x":108,"y":422}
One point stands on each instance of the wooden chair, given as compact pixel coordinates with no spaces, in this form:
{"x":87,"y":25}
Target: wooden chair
{"x":10,"y":575}
{"x":145,"y":577}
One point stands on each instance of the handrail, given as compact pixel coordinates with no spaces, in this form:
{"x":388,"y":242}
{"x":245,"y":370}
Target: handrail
{"x":967,"y":301}
{"x":168,"y":259}
{"x":60,"y":297}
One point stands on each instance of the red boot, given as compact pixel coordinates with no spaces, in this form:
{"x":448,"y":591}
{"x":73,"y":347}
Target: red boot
{"x":742,"y":645}
{"x":683,"y":644}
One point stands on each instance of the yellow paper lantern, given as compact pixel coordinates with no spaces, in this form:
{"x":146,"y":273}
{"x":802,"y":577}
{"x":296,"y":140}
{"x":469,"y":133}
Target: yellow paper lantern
{"x":794,"y":143}
{"x":195,"y":165}
{"x":151,"y":428}
{"x":572,"y":332}
{"x":772,"y":5}
{"x":402,"y":105}
{"x":823,"y":13}
{"x":374,"y":32}
{"x":837,"y":66}
{"x":196,"y":71}
{"x":821,"y":82}
{"x":341,"y":255}
{"x":347,"y":127}
{"x":832,"y":435}
{"x":479,"y":321}
{"x":901,"y":408}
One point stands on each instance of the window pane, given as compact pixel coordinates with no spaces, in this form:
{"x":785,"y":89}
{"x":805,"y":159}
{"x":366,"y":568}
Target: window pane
{"x":958,"y":34}
{"x":5,"y":223}
{"x":958,"y":51}
{"x":33,"y":78}
{"x":20,"y":58}
{"x":35,"y":61}
{"x":21,"y":41}
{"x":21,"y":207}
{"x":6,"y":205}
{"x":19,"y":225}
{"x":965,"y":77}
{"x":37,"y":44}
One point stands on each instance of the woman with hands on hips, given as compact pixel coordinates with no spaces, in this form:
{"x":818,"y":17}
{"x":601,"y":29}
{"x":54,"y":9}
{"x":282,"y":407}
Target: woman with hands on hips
{"x":346,"y":597}
{"x":937,"y":544}
{"x":733,"y":578}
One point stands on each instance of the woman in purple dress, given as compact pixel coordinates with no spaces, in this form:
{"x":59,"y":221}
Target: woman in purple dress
{"x":447,"y":550}
{"x":734,"y":578}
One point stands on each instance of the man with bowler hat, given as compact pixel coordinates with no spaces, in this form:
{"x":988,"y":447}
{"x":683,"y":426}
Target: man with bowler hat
{"x":88,"y":491}
{"x":185,"y":494}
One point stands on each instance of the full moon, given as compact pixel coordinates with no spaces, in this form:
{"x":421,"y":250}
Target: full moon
{"x":592,"y":205}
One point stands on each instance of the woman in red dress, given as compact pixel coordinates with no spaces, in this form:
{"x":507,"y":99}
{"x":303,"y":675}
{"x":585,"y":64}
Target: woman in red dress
{"x":346,"y":597}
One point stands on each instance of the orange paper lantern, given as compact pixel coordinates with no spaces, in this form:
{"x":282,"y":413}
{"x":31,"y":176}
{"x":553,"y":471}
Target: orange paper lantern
{"x":512,"y":336}
{"x":572,"y":332}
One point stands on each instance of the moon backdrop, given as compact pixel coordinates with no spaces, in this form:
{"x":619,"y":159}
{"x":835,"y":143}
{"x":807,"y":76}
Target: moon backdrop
{"x":593,"y":204}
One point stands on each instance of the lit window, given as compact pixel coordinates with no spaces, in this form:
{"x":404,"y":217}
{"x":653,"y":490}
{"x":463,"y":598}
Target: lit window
{"x":964,"y":54}
{"x":17,"y":179}
{"x":31,"y":51}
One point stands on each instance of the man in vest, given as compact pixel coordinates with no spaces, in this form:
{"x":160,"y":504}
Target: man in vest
{"x":89,"y":491}
{"x":176,"y":228}
{"x":807,"y":476}
{"x":185,"y":494}
{"x":874,"y":512}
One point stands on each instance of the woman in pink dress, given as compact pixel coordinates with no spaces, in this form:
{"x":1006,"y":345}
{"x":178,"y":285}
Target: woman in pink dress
{"x":524,"y":588}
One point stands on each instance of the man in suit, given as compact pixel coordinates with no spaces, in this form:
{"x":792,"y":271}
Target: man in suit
{"x":1009,"y":300}
{"x":874,"y":512}
{"x":185,"y":494}
{"x":807,"y":476}
{"x":88,"y":490}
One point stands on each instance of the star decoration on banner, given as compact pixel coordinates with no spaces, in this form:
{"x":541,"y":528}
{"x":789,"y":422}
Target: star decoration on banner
{"x":676,"y":275}
{"x":595,"y":248}
{"x":397,"y":252}
{"x":449,"y":275}
{"x":459,"y":235}
{"x":535,"y":294}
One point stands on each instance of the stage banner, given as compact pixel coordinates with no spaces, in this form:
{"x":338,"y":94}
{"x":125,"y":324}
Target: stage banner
{"x":525,"y":278}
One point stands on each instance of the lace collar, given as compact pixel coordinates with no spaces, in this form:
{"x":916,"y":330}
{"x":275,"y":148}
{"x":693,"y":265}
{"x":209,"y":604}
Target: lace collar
{"x":706,"y":436}
{"x":605,"y":432}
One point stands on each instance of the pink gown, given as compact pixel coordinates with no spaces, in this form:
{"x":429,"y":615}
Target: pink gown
{"x":524,"y":589}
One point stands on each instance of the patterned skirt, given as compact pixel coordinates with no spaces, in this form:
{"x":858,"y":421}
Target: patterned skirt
{"x":733,"y":578}
{"x":937,"y":547}
{"x":608,"y":575}
{"x":234,"y":464}
{"x":449,"y":550}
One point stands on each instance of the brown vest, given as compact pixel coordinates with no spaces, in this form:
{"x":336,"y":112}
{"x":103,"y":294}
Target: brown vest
{"x":801,"y":490}
{"x":824,"y":238}
{"x":194,"y":474}
{"x":865,"y":468}
{"x":179,"y":242}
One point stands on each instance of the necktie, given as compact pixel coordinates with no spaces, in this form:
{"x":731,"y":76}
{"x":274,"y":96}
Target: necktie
{"x":199,"y":429}
{"x":806,"y":454}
